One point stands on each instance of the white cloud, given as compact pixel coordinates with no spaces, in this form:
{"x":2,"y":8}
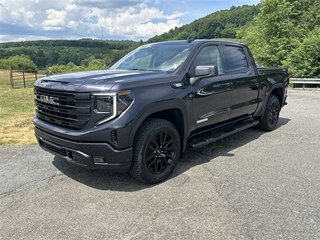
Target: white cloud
{"x":131,"y":19}
{"x":118,"y":19}
{"x":135,"y":22}
{"x":56,"y":20}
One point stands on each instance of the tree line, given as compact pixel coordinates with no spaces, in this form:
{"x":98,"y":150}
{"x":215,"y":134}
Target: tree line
{"x":220,"y":24}
{"x":48,"y":53}
{"x":282,"y":33}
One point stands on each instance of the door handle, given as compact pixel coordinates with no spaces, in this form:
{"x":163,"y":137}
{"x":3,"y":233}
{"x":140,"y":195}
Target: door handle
{"x":225,"y":84}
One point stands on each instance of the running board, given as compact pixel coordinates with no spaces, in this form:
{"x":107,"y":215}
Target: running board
{"x":219,"y":134}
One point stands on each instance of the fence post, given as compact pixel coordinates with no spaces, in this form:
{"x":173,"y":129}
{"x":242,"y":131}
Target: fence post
{"x":10,"y":76}
{"x":35,"y":74}
{"x":24,"y":79}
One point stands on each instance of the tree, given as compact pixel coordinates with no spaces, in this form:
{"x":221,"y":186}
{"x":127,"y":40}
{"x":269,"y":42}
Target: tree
{"x":52,"y":57}
{"x":279,"y":28}
{"x":40,"y":59}
{"x":4,"y":64}
{"x":304,"y":60}
{"x":96,"y":64}
{"x":57,"y":69}
{"x":22,"y":63}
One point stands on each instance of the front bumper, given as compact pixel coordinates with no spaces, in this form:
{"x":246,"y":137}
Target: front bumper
{"x":90,"y":155}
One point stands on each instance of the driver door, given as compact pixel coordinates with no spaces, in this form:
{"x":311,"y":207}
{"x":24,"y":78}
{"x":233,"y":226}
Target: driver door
{"x":211,"y":95}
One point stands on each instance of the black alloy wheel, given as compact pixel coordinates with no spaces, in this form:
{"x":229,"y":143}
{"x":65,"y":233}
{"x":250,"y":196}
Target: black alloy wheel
{"x":156,"y":151}
{"x":271,"y":114}
{"x":160,"y":152}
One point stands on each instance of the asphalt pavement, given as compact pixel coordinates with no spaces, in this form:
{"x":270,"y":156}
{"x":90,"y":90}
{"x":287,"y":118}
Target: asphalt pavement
{"x":252,"y":185}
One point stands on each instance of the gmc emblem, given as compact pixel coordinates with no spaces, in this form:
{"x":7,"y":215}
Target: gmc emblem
{"x":48,"y":100}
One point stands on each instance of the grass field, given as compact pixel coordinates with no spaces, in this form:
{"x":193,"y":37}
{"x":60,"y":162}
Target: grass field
{"x":16,"y":113}
{"x":4,"y":79}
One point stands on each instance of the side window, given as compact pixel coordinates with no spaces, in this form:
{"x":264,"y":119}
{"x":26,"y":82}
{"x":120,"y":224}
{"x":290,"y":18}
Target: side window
{"x":235,"y":59}
{"x":209,"y":55}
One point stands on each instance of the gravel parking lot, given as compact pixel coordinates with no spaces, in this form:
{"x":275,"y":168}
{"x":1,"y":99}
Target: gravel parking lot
{"x":252,"y":185}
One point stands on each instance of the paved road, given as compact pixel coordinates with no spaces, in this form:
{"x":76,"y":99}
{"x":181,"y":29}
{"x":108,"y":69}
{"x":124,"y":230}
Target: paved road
{"x":252,"y":185}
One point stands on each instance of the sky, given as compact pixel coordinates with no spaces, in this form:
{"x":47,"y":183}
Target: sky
{"x":24,"y":20}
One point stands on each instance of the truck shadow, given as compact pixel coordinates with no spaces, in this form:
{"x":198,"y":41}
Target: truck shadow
{"x":105,"y":180}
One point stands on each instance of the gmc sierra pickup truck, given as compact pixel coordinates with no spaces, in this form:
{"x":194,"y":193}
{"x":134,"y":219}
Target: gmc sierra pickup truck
{"x":154,"y":103}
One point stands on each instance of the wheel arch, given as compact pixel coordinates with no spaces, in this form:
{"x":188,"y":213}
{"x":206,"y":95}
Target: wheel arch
{"x":174,"y":113}
{"x":277,"y":90}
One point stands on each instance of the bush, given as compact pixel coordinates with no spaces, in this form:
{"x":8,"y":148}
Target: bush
{"x":21,"y":63}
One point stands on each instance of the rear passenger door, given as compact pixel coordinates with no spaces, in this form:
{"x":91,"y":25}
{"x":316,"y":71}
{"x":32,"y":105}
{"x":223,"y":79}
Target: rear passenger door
{"x":245,"y":88}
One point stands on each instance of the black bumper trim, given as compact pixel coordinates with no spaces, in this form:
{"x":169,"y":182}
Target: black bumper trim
{"x":82,"y":153}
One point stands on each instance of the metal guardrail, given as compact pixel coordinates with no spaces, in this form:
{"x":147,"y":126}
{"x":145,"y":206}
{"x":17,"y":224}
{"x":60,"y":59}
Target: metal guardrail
{"x":305,"y":81}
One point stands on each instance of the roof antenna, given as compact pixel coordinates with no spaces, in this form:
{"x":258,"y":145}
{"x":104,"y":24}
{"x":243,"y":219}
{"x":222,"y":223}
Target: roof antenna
{"x":190,"y":39}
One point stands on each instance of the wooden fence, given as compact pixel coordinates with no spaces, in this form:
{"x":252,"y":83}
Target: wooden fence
{"x":22,"y":79}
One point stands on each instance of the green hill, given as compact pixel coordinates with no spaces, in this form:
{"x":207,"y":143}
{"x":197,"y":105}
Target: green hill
{"x":220,"y":24}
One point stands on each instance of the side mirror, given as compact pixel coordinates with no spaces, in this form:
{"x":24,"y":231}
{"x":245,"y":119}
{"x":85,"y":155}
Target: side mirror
{"x":204,"y":72}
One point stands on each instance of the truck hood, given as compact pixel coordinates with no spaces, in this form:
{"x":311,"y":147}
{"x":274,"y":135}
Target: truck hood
{"x":98,"y":80}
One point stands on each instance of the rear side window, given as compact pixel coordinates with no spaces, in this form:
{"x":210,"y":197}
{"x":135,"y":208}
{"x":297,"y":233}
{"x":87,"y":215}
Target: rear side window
{"x":235,"y":60}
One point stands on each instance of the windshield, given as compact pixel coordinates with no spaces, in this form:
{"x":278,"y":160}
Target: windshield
{"x":154,"y":58}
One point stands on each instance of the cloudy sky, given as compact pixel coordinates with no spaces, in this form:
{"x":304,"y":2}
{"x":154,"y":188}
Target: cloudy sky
{"x":101,"y":19}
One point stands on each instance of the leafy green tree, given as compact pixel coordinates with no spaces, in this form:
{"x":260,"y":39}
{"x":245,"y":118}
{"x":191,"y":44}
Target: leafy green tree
{"x":52,"y":57}
{"x":4,"y":64}
{"x":70,"y":66}
{"x":40,"y":59}
{"x":96,"y":64}
{"x":304,"y":61}
{"x":57,"y":68}
{"x":22,"y":63}
{"x":279,"y":28}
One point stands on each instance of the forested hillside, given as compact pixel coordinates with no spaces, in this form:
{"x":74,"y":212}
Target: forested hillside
{"x":220,"y":24}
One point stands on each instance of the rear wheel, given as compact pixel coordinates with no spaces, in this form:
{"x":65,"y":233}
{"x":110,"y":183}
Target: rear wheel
{"x":156,"y":151}
{"x":270,"y":117}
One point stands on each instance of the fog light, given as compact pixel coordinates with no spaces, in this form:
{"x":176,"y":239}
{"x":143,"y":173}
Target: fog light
{"x":99,"y":159}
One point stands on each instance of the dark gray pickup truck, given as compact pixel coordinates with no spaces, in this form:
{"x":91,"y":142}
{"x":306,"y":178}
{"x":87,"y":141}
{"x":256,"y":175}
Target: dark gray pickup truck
{"x":142,"y":112}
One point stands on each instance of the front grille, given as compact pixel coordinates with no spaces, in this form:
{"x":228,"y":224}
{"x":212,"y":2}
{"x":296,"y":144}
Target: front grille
{"x":54,"y":149}
{"x":64,"y":109}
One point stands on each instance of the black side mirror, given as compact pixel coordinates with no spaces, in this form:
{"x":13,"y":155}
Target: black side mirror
{"x":204,"y":72}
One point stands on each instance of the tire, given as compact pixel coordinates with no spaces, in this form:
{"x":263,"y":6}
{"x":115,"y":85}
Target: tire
{"x":156,"y":151}
{"x":270,"y":117}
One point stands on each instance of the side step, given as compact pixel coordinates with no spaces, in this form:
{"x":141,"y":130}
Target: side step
{"x":222,"y":133}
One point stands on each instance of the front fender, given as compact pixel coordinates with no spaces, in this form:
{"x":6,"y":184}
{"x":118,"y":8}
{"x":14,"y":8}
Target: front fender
{"x":159,"y":107}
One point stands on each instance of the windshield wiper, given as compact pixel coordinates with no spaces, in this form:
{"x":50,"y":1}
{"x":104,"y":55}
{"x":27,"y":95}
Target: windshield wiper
{"x":143,"y":69}
{"x":140,"y":69}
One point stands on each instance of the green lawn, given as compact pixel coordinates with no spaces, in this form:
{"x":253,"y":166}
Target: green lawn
{"x":16,"y":113}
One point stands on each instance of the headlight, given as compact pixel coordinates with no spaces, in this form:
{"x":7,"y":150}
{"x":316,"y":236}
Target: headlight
{"x":104,"y":104}
{"x":112,"y":105}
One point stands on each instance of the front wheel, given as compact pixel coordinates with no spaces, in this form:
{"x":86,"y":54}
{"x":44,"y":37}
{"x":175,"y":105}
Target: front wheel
{"x":270,"y":117}
{"x":156,"y":151}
